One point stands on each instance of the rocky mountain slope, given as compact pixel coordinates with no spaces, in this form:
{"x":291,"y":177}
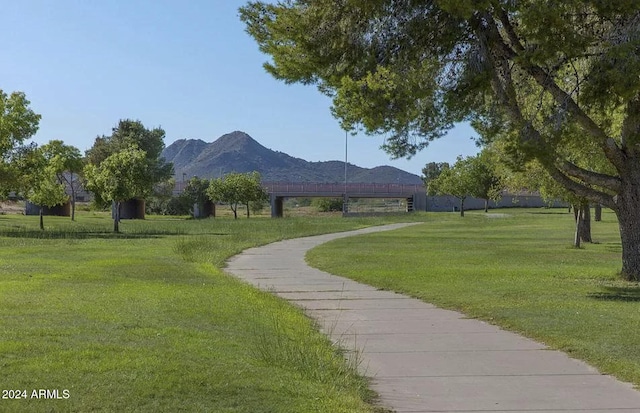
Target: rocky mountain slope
{"x":239,"y":152}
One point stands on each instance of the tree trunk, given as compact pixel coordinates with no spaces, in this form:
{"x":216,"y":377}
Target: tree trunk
{"x":235,"y":211}
{"x":486,"y":205}
{"x":598,"y":213}
{"x":73,"y":198}
{"x":582,"y":216}
{"x":41,"y":218}
{"x":629,"y":224}
{"x":116,"y":218}
{"x":462,"y":207}
{"x":585,"y":223}
{"x":247,"y":210}
{"x":576,"y":219}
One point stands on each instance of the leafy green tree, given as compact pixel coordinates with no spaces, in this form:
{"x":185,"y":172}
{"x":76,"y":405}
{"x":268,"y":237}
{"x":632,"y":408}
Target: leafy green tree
{"x":486,"y":181}
{"x":196,"y":190}
{"x":432,"y":170}
{"x":237,"y":189}
{"x":533,"y":177}
{"x":47,"y":191}
{"x":413,"y":69}
{"x":67,"y":164}
{"x":121,"y":176}
{"x":18,"y":122}
{"x":129,"y":133}
{"x":180,"y":205}
{"x":456,"y":181}
{"x":161,"y":195}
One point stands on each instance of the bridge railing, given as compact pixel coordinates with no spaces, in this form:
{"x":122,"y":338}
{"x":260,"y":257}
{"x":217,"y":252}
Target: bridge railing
{"x":339,"y":189}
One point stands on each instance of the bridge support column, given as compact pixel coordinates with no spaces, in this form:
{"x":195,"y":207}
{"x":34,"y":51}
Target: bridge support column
{"x":419,"y":202}
{"x":345,"y":204}
{"x":277,"y":206}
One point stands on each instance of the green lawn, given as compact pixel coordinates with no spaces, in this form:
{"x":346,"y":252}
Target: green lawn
{"x":514,"y":268}
{"x":146,"y":320}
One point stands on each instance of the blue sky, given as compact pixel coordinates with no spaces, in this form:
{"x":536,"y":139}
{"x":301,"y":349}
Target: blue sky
{"x":186,"y":66}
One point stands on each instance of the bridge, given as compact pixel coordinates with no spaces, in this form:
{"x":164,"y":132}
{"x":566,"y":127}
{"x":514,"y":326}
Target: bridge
{"x":415,"y":195}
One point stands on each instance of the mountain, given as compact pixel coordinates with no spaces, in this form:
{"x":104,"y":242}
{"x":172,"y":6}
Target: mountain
{"x":239,"y":152}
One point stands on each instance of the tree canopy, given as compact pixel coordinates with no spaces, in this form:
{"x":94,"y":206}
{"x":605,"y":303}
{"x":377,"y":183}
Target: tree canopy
{"x":66,"y":164}
{"x":237,"y":189}
{"x":121,"y":176}
{"x":457,"y":181}
{"x":548,"y":76}
{"x":127,"y":134}
{"x":18,"y":122}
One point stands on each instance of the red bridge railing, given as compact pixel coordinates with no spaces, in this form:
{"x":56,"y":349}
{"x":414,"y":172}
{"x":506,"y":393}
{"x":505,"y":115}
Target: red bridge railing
{"x":331,"y":188}
{"x":339,"y":189}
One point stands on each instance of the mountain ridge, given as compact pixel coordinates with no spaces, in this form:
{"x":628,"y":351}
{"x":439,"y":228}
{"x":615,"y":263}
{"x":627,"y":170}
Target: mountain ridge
{"x":239,"y":152}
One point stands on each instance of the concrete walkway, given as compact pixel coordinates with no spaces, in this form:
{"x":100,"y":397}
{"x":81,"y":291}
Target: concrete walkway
{"x":424,"y":359}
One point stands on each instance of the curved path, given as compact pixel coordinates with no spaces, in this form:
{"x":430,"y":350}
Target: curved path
{"x":424,"y":359}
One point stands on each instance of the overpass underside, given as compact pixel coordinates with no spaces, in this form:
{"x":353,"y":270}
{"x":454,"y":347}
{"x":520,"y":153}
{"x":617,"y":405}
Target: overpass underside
{"x":416,"y":201}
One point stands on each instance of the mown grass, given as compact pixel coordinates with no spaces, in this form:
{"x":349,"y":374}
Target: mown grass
{"x":147,"y":321}
{"x":517,"y":270}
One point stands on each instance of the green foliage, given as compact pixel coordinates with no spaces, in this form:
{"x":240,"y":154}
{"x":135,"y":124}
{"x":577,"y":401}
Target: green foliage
{"x":160,"y":197}
{"x":150,"y":316}
{"x":127,"y":134}
{"x":546,"y":78}
{"x":121,"y":176}
{"x":327,"y":204}
{"x":67,"y":164}
{"x":18,"y":122}
{"x":179,"y":205}
{"x":47,"y":190}
{"x":487,"y":183}
{"x":517,"y":271}
{"x":237,"y":189}
{"x":471,"y":176}
{"x":432,"y":170}
{"x":456,"y":181}
{"x":196,"y":190}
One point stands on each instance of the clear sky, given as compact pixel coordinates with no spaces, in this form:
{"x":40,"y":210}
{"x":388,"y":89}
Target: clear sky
{"x":186,"y":66}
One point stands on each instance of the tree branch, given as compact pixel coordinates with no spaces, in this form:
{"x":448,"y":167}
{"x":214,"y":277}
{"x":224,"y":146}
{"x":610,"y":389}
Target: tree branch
{"x":503,"y":85}
{"x":581,"y":190}
{"x":564,"y":99}
{"x":516,"y":44}
{"x":592,"y":178}
{"x":631,"y":127}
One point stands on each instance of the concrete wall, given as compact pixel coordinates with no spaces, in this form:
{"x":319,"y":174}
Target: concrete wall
{"x":63,"y":210}
{"x":450,"y":203}
{"x":131,"y":209}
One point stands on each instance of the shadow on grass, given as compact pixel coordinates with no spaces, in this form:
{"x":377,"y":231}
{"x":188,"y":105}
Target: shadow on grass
{"x":37,"y":234}
{"x":83,"y":235}
{"x":617,"y":294}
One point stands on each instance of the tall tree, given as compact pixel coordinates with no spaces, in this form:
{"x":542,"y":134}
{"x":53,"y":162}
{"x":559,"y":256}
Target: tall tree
{"x":413,"y":68}
{"x":47,"y":191}
{"x":432,"y":170}
{"x":533,"y":177}
{"x":456,"y":181}
{"x":196,"y":190}
{"x":129,"y":133}
{"x":67,"y":164}
{"x":121,"y":176}
{"x":18,"y":122}
{"x":486,"y":182}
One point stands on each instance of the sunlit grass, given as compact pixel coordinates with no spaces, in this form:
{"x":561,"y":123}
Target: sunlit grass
{"x":518,"y":271}
{"x":147,"y":321}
